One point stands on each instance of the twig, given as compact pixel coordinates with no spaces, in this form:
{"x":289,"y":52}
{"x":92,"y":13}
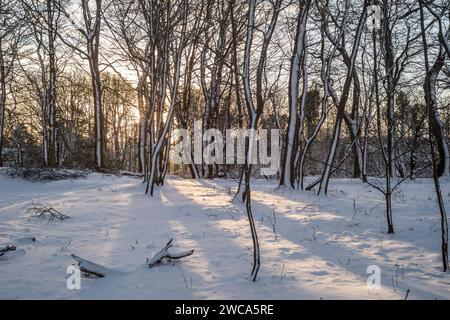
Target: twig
{"x":6,"y":249}
{"x":41,"y":210}
{"x":407,"y":293}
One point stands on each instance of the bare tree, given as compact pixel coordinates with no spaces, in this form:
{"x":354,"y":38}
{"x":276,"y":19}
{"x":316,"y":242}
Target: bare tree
{"x":11,"y":31}
{"x":89,"y":29}
{"x":44,"y":23}
{"x":434,"y":123}
{"x":254,"y":113}
{"x":343,"y":99}
{"x":161,"y":134}
{"x":297,"y":69}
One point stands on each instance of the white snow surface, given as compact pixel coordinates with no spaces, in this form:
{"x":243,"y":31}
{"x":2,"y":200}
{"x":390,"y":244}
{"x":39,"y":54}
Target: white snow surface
{"x":323,"y":249}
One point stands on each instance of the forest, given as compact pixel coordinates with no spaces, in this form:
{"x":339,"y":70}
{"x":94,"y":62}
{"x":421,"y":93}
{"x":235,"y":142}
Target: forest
{"x":333,"y":104}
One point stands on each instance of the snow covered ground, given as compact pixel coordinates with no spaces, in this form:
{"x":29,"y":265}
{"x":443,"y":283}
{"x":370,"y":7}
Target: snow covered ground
{"x":322,"y":247}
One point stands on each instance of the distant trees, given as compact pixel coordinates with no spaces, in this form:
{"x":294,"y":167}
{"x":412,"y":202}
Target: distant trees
{"x":43,"y":25}
{"x":88,"y":48}
{"x":331,"y":69}
{"x":11,"y":37}
{"x":103,"y":84}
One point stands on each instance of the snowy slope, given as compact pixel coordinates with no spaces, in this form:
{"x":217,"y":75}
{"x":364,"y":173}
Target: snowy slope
{"x":322,"y":249}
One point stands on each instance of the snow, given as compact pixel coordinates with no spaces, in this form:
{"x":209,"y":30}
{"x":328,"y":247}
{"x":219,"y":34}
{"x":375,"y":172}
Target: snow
{"x":323,"y":249}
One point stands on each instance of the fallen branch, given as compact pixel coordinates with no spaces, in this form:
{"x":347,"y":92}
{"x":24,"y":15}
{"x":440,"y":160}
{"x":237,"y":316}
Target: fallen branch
{"x":41,"y":210}
{"x":91,"y":268}
{"x":6,"y":249}
{"x":165,"y":254}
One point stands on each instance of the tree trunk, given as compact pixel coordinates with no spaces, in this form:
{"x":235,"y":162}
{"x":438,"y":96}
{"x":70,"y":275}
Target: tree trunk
{"x":287,"y":176}
{"x":2,"y":101}
{"x":342,"y":103}
{"x":433,"y":116}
